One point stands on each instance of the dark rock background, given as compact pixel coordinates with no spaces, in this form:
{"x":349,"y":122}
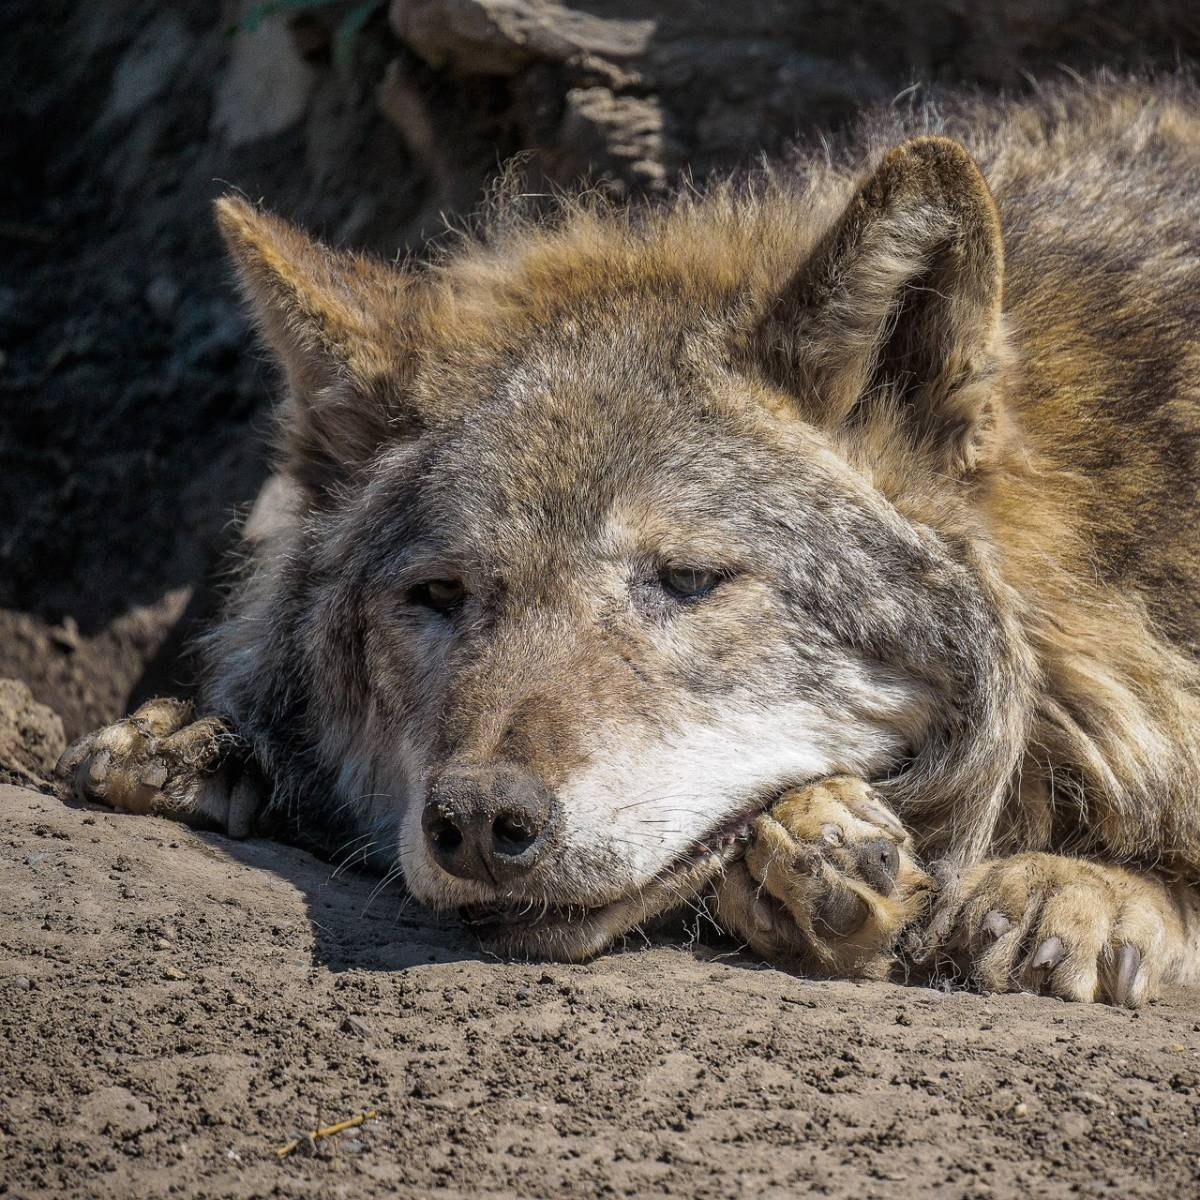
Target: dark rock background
{"x":133,"y":407}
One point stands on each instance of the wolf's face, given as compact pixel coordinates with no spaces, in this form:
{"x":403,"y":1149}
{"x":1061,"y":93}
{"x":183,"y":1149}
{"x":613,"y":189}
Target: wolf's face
{"x":583,"y":587}
{"x":620,"y":611}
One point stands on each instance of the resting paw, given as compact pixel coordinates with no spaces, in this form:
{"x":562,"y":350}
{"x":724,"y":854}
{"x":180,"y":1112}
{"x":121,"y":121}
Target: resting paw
{"x":829,"y":879}
{"x":161,"y":760}
{"x":1062,"y":926}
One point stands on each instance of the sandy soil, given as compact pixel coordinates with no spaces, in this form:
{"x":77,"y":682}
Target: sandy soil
{"x":175,"y":1005}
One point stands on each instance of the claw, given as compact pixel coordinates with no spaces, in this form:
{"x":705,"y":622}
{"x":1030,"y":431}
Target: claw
{"x":155,"y":773}
{"x":1050,"y":953}
{"x":832,"y":834}
{"x":71,"y":758}
{"x":996,"y":924}
{"x":1129,"y":962}
{"x":97,"y":773}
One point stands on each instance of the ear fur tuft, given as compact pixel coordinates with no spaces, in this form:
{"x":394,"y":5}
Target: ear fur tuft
{"x":900,"y":304}
{"x":340,"y":325}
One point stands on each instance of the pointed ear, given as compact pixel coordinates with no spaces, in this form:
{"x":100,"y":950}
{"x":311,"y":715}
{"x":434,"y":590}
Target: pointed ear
{"x":341,"y":327}
{"x":900,"y":304}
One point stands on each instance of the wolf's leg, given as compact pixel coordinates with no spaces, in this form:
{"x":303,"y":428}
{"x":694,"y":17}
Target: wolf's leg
{"x":162,"y":760}
{"x":1068,"y":927}
{"x":829,"y":879}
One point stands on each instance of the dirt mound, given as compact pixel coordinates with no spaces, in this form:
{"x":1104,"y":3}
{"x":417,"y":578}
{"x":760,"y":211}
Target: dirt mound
{"x":176,"y":1005}
{"x":31,"y":735}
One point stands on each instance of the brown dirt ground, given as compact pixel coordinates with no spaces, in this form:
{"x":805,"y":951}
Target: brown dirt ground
{"x":174,"y":1005}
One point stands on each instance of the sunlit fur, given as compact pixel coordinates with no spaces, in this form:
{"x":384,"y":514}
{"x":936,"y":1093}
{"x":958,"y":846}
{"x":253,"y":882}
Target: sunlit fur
{"x":942,"y":435}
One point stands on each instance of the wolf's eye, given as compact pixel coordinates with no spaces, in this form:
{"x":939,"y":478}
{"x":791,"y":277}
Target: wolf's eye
{"x":687,"y":583}
{"x":442,"y":595}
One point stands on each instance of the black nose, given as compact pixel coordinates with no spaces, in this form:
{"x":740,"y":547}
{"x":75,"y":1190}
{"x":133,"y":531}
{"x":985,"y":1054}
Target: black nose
{"x":488,"y":823}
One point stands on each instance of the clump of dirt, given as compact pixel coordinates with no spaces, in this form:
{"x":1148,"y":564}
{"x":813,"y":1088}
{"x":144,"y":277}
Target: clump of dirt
{"x":31,"y":735}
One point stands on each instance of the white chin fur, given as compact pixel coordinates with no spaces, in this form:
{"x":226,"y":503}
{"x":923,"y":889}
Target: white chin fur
{"x":648,"y":801}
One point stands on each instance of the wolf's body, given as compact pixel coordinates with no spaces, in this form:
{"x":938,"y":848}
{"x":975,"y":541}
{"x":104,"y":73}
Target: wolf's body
{"x":926,"y":466}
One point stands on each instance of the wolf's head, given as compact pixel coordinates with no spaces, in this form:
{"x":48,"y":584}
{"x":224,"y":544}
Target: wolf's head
{"x":613,"y":529}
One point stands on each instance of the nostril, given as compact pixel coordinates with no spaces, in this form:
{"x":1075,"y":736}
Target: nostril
{"x":513,"y":833}
{"x":444,"y":834}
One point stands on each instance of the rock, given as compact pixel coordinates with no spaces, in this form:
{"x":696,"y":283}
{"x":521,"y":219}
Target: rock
{"x":66,"y":636}
{"x":148,"y":67}
{"x":499,"y":37}
{"x":606,"y":134}
{"x":265,"y":87}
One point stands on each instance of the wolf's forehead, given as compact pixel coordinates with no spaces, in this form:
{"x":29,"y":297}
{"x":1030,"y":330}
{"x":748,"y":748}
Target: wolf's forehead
{"x":588,"y":433}
{"x":629,"y":477}
{"x":575,"y":442}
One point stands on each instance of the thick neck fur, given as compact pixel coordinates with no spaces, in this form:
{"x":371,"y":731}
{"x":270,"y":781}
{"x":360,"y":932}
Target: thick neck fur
{"x":1108,"y":717}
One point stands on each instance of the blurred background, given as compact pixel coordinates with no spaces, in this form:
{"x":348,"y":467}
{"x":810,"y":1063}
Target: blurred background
{"x":133,"y":404}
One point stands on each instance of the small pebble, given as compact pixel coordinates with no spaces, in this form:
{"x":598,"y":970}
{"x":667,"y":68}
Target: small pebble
{"x":21,"y":983}
{"x":1020,"y":1110}
{"x":356,"y":1026}
{"x":162,"y":944}
{"x":169,"y":972}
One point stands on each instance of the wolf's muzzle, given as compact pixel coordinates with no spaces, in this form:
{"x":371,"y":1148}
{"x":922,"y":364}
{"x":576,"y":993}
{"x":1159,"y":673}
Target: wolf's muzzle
{"x":489,"y":823}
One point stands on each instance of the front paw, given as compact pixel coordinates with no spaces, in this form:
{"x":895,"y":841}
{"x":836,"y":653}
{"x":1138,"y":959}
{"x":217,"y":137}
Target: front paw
{"x":163,"y":761}
{"x":1062,"y":926}
{"x":829,"y":880}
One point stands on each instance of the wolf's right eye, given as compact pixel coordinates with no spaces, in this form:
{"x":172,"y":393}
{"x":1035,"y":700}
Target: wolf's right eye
{"x":441,"y":595}
{"x":689,"y":583}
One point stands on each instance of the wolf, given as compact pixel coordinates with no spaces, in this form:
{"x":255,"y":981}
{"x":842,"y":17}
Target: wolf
{"x":818,"y":548}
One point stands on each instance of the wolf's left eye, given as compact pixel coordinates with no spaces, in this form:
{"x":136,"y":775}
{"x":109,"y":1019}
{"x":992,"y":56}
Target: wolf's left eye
{"x":442,"y":595}
{"x":688,"y":583}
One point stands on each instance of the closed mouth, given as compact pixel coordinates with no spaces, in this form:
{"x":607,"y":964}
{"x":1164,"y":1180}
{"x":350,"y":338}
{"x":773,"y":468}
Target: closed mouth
{"x":575,"y":931}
